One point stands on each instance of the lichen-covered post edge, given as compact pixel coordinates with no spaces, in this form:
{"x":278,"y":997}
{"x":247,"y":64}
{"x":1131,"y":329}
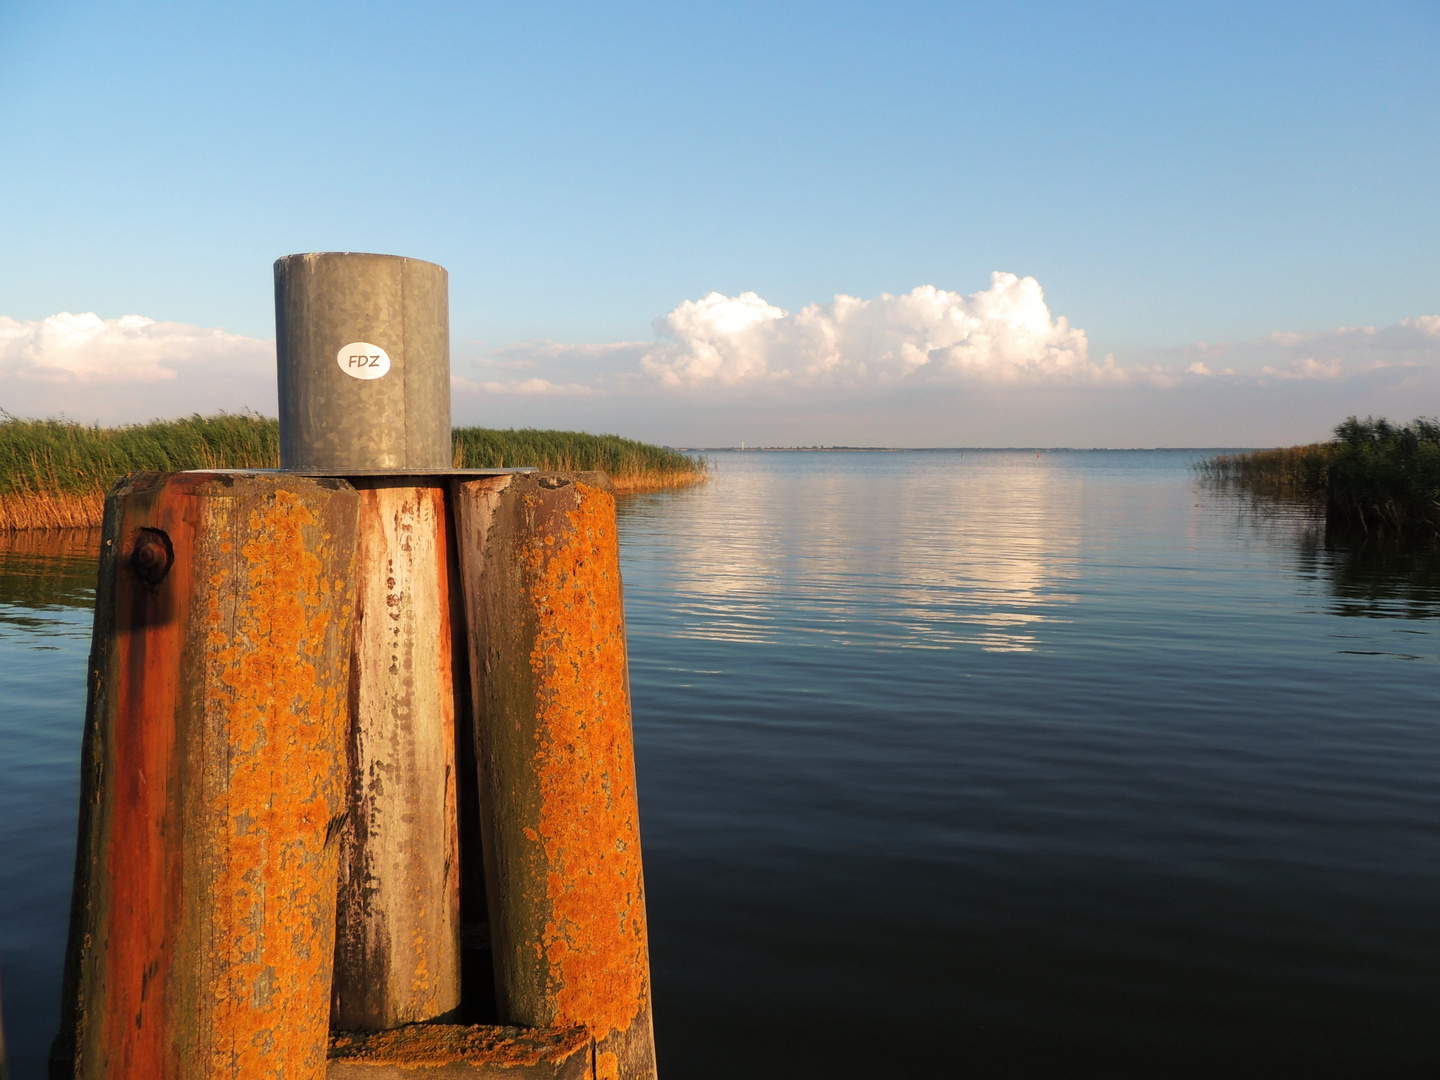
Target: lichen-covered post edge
{"x":202,"y":919}
{"x":539,"y":561}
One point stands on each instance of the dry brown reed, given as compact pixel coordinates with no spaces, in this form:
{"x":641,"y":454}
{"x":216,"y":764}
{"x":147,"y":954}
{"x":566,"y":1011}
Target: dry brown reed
{"x":51,"y":510}
{"x":656,"y":480}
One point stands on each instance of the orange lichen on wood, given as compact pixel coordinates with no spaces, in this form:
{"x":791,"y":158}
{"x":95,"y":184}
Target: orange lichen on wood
{"x":202,"y":922}
{"x":272,"y":919}
{"x":563,"y":878}
{"x":594,"y":937}
{"x":447,"y":1044}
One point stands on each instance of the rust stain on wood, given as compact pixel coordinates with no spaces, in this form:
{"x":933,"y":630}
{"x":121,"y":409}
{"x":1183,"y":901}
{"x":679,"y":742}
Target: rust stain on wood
{"x":141,"y":882}
{"x":203,"y":915}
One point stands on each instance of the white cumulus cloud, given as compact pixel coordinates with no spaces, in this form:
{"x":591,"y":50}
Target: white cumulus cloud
{"x":129,"y":368}
{"x":1003,"y":333}
{"x":931,"y":352}
{"x":132,"y":348}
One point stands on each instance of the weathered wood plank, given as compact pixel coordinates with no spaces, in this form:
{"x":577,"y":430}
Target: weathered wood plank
{"x":539,"y":560}
{"x":203,"y":916}
{"x":397,"y":957}
{"x":458,"y":1052}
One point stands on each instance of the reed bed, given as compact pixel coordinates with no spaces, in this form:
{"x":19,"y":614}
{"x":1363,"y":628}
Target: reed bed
{"x":637,"y":483}
{"x":50,"y":510}
{"x":633,"y":466}
{"x":54,"y":473}
{"x":1289,"y":472}
{"x":1374,"y":475}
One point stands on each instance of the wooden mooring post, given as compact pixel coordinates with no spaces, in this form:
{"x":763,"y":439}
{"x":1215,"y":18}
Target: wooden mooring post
{"x":397,"y":958}
{"x":541,"y":569}
{"x":212,"y":780}
{"x":269,"y":879}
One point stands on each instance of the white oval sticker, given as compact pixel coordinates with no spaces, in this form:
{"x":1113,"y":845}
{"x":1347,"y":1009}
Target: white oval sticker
{"x":361,"y":360}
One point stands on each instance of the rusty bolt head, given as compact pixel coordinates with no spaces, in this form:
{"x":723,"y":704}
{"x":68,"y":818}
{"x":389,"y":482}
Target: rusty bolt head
{"x":152,"y":556}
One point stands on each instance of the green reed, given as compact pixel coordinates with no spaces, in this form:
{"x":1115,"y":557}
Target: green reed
{"x":61,"y":457}
{"x":58,"y":457}
{"x":1372,"y":474}
{"x":487,"y":448}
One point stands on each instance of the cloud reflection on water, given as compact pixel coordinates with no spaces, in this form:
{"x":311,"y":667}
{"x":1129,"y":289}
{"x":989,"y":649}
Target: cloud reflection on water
{"x":984,"y":555}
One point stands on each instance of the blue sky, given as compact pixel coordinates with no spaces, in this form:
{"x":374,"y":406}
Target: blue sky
{"x":1169,"y":175}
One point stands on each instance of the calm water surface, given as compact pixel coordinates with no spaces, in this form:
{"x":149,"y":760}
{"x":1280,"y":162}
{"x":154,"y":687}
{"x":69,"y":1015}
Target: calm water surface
{"x":986,"y":764}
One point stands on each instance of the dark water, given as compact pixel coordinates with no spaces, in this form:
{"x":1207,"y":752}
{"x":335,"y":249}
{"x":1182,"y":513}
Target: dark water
{"x":990,"y":765}
{"x":46,"y":595}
